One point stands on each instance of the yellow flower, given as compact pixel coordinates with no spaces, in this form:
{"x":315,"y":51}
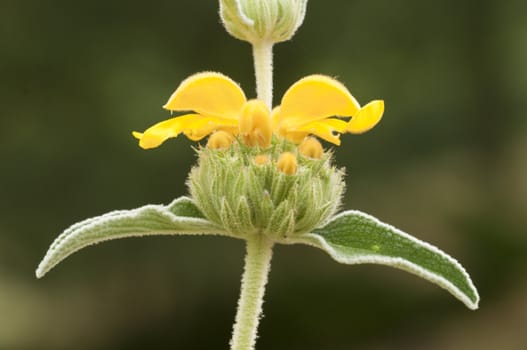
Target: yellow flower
{"x":216,"y":101}
{"x":312,"y":105}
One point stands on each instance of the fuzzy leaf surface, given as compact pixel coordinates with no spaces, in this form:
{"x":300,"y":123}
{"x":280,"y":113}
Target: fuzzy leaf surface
{"x":353,"y":237}
{"x":181,"y":217}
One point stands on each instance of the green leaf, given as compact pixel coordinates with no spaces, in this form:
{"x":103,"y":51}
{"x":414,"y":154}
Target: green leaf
{"x":353,"y":237}
{"x":181,"y":217}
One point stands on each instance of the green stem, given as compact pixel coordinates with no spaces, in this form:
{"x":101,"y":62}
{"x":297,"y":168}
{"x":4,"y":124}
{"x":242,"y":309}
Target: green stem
{"x":256,"y":270}
{"x":259,"y":247}
{"x":263,"y":69}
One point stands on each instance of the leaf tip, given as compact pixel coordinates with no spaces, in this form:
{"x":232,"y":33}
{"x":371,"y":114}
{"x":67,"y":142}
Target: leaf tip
{"x":474,"y":304}
{"x":39,"y":272}
{"x":44,"y":267}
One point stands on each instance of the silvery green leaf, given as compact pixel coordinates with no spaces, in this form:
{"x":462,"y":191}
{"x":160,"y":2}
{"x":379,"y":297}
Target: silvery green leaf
{"x":181,"y":217}
{"x":353,"y":237}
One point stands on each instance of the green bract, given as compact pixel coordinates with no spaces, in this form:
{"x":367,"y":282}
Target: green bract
{"x":246,"y":198}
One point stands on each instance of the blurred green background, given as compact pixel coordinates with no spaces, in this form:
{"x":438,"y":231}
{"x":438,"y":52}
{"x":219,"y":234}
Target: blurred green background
{"x":447,"y":164}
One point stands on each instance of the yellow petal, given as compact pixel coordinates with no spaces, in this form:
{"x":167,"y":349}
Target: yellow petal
{"x":313,"y":98}
{"x":210,"y":94}
{"x":337,"y":125}
{"x":200,"y":131}
{"x":199,"y":128}
{"x":367,"y":118}
{"x":324,"y":133}
{"x":293,"y":136}
{"x":326,"y":129}
{"x":160,"y":132}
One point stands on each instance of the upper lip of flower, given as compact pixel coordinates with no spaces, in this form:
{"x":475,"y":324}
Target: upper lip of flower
{"x":314,"y":105}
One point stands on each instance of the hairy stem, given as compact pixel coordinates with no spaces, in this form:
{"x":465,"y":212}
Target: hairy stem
{"x":263,"y":69}
{"x":256,"y":270}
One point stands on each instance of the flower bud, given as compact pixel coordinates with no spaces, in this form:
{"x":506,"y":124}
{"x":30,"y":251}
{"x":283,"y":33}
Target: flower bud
{"x":287,"y":163}
{"x":255,"y":124}
{"x":262,"y":20}
{"x":261,"y":159}
{"x":220,"y":140}
{"x":311,"y":148}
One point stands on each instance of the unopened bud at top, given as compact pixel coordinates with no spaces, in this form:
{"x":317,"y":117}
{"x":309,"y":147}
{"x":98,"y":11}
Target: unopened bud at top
{"x":262,"y":20}
{"x":255,"y":124}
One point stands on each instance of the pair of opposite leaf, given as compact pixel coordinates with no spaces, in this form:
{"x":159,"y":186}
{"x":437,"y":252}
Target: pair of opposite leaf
{"x":308,"y":107}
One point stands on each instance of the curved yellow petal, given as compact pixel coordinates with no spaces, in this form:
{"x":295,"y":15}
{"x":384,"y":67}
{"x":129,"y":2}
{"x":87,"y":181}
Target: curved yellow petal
{"x":327,"y":129}
{"x":210,"y":94}
{"x":200,"y":128}
{"x":160,"y":132}
{"x":323,"y":130}
{"x":367,"y":118}
{"x":335,"y":124}
{"x":313,"y":98}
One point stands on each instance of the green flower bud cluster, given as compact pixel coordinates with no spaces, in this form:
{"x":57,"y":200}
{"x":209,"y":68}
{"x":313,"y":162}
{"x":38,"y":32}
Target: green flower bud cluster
{"x":262,"y":20}
{"x":243,"y":190}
